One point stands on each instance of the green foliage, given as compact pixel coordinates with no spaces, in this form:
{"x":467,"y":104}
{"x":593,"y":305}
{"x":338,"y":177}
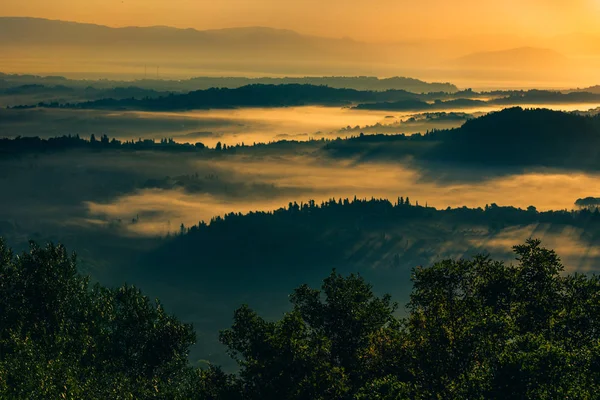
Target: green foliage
{"x":61,"y":338}
{"x":386,"y":388}
{"x":475,"y":329}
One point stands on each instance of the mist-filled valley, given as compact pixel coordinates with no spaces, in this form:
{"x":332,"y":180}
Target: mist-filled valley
{"x":256,"y":112}
{"x":127,"y":204}
{"x":299,"y":201}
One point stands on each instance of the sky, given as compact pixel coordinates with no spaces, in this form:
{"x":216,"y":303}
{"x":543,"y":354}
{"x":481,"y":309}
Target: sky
{"x":367,"y":20}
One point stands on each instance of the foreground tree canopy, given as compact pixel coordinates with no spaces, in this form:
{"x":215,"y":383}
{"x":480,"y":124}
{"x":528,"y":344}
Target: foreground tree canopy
{"x":475,"y":329}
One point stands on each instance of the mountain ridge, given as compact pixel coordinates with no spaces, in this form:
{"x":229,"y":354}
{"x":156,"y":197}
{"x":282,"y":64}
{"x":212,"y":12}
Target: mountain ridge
{"x":57,"y":23}
{"x":235,"y":28}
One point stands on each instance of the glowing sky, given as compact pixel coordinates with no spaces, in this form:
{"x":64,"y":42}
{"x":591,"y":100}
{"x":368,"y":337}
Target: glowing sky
{"x":374,"y":20}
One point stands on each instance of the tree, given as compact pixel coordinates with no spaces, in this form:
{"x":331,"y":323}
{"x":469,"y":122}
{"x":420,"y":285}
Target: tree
{"x":318,"y":350}
{"x":475,"y":329}
{"x":487,"y":330}
{"x":61,"y":338}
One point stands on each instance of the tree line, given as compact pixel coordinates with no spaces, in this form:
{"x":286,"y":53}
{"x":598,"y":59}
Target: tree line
{"x":362,"y":211}
{"x":474,"y":329}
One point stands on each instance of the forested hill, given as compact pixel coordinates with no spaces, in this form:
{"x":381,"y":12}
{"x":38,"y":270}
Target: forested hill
{"x":518,"y":136}
{"x":349,"y":232}
{"x":513,"y":137}
{"x":257,"y":258}
{"x":255,"y":95}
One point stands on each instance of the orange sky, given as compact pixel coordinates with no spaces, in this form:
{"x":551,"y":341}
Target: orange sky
{"x":372,"y":20}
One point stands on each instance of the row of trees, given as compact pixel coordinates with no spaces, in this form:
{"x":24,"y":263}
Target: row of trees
{"x":103,"y":142}
{"x":71,"y":142}
{"x":357,"y":212}
{"x":475,"y":329}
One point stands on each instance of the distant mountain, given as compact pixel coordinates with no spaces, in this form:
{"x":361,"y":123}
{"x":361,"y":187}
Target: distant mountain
{"x":338,"y":82}
{"x":205,"y":82}
{"x":178,"y":48}
{"x":518,"y":58}
{"x":37,"y":31}
{"x":41,"y":46}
